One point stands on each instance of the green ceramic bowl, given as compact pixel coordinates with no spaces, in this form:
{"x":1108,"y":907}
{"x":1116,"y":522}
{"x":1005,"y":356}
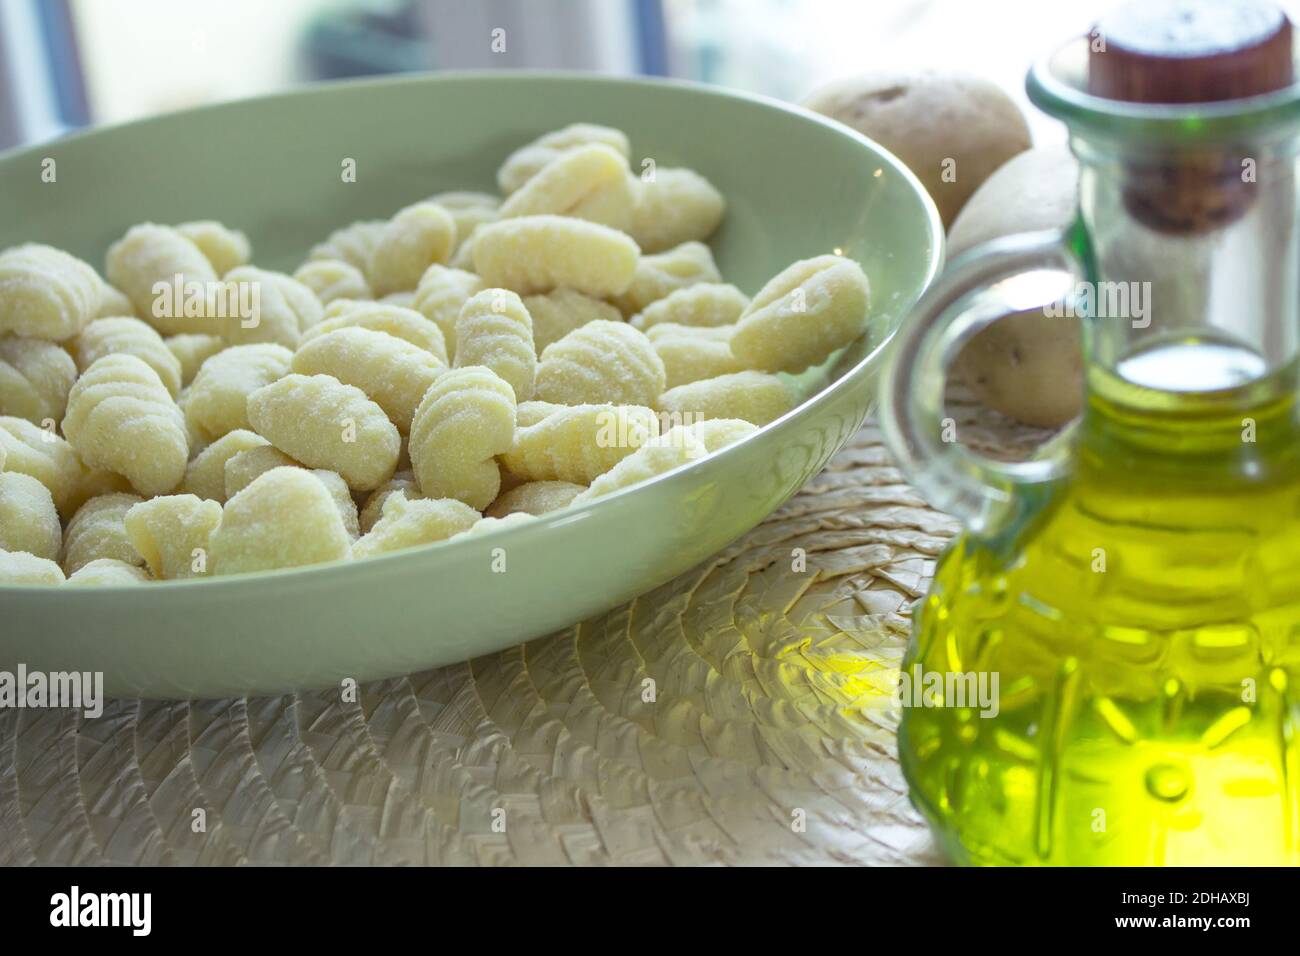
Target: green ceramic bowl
{"x":796,"y":186}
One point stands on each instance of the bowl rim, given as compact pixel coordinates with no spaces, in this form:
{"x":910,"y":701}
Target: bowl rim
{"x":375,"y":563}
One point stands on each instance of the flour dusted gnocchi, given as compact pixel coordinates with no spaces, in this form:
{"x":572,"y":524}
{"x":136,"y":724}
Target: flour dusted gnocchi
{"x":35,"y":378}
{"x":323,"y":423}
{"x":98,"y":531}
{"x":414,"y":239}
{"x":394,"y":373}
{"x":705,"y":304}
{"x":121,"y":418}
{"x":677,"y":206}
{"x":145,"y":265}
{"x":332,"y":279}
{"x":465,"y":420}
{"x":46,"y":293}
{"x":352,"y":244}
{"x":405,"y":524}
{"x":535,"y":498}
{"x":21,"y":568}
{"x":224,"y":248}
{"x":660,"y":275}
{"x":751,"y":396}
{"x":171,"y":533}
{"x":28,"y":519}
{"x":601,"y":362}
{"x":803,"y":315}
{"x":403,"y":323}
{"x":217,"y":401}
{"x":587,"y":182}
{"x":467,"y":365}
{"x":125,"y":336}
{"x":494,"y":330}
{"x":108,"y":572}
{"x":690,"y":353}
{"x":527,"y":161}
{"x":556,"y":314}
{"x":578,"y":443}
{"x":441,"y":294}
{"x":540,"y":253}
{"x":286,"y":518}
{"x":192,"y":349}
{"x":205,"y":475}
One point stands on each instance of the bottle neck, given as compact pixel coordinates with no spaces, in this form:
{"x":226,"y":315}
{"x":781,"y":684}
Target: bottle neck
{"x":1193,"y":262}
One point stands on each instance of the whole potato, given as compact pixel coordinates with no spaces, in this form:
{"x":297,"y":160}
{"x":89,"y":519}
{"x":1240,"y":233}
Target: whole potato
{"x":950,"y":129}
{"x":1028,"y":365}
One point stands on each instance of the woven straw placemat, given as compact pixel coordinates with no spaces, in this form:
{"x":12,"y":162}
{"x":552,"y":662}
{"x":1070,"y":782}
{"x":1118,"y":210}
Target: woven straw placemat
{"x":741,"y":714}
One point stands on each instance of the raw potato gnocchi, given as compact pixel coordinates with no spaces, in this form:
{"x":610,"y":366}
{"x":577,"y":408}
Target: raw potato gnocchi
{"x":121,"y":418}
{"x":35,"y":378}
{"x":541,"y":253}
{"x":601,"y":362}
{"x":323,"y":423}
{"x":467,"y":365}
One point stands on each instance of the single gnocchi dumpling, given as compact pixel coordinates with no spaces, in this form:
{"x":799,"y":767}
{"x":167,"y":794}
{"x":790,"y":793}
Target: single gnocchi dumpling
{"x":21,"y":568}
{"x":494,"y":330}
{"x":540,"y":253}
{"x":535,"y":498}
{"x":46,"y":456}
{"x":192,"y":349}
{"x":675,"y":447}
{"x":676,"y":206}
{"x":45,"y":293}
{"x":286,"y":518}
{"x":392,"y":372}
{"x":35,"y":378}
{"x":440,"y":296}
{"x":121,"y":418}
{"x":691,"y":353}
{"x":755,"y":397}
{"x":124,"y":336}
{"x":601,"y":363}
{"x":587,"y":182}
{"x":217,"y":401}
{"x":556,"y":314}
{"x":803,"y":315}
{"x":416,"y":238}
{"x":205,"y":475}
{"x":663,"y":273}
{"x":578,"y":443}
{"x":703,"y":305}
{"x":171,"y":533}
{"x":527,"y":161}
{"x":332,"y":279}
{"x":166,"y":276}
{"x":397,"y":321}
{"x":464,"y":421}
{"x":108,"y":572}
{"x":323,"y":423}
{"x":267,"y":307}
{"x":223,"y":247}
{"x":28,"y":519}
{"x":98,"y":531}
{"x":717,"y":433}
{"x":352,"y":244}
{"x":405,"y":524}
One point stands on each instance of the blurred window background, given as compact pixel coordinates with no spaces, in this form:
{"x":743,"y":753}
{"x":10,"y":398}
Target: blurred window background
{"x":68,"y":63}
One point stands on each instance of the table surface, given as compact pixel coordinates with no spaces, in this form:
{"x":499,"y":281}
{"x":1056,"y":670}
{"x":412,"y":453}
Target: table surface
{"x":741,"y":714}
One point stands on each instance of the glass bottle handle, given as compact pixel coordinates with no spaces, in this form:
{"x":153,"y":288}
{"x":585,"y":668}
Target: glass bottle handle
{"x":974,"y":291}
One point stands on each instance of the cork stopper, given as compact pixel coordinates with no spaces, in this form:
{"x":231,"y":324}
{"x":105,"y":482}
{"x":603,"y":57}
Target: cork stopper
{"x":1180,"y":52}
{"x":1190,"y":51}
